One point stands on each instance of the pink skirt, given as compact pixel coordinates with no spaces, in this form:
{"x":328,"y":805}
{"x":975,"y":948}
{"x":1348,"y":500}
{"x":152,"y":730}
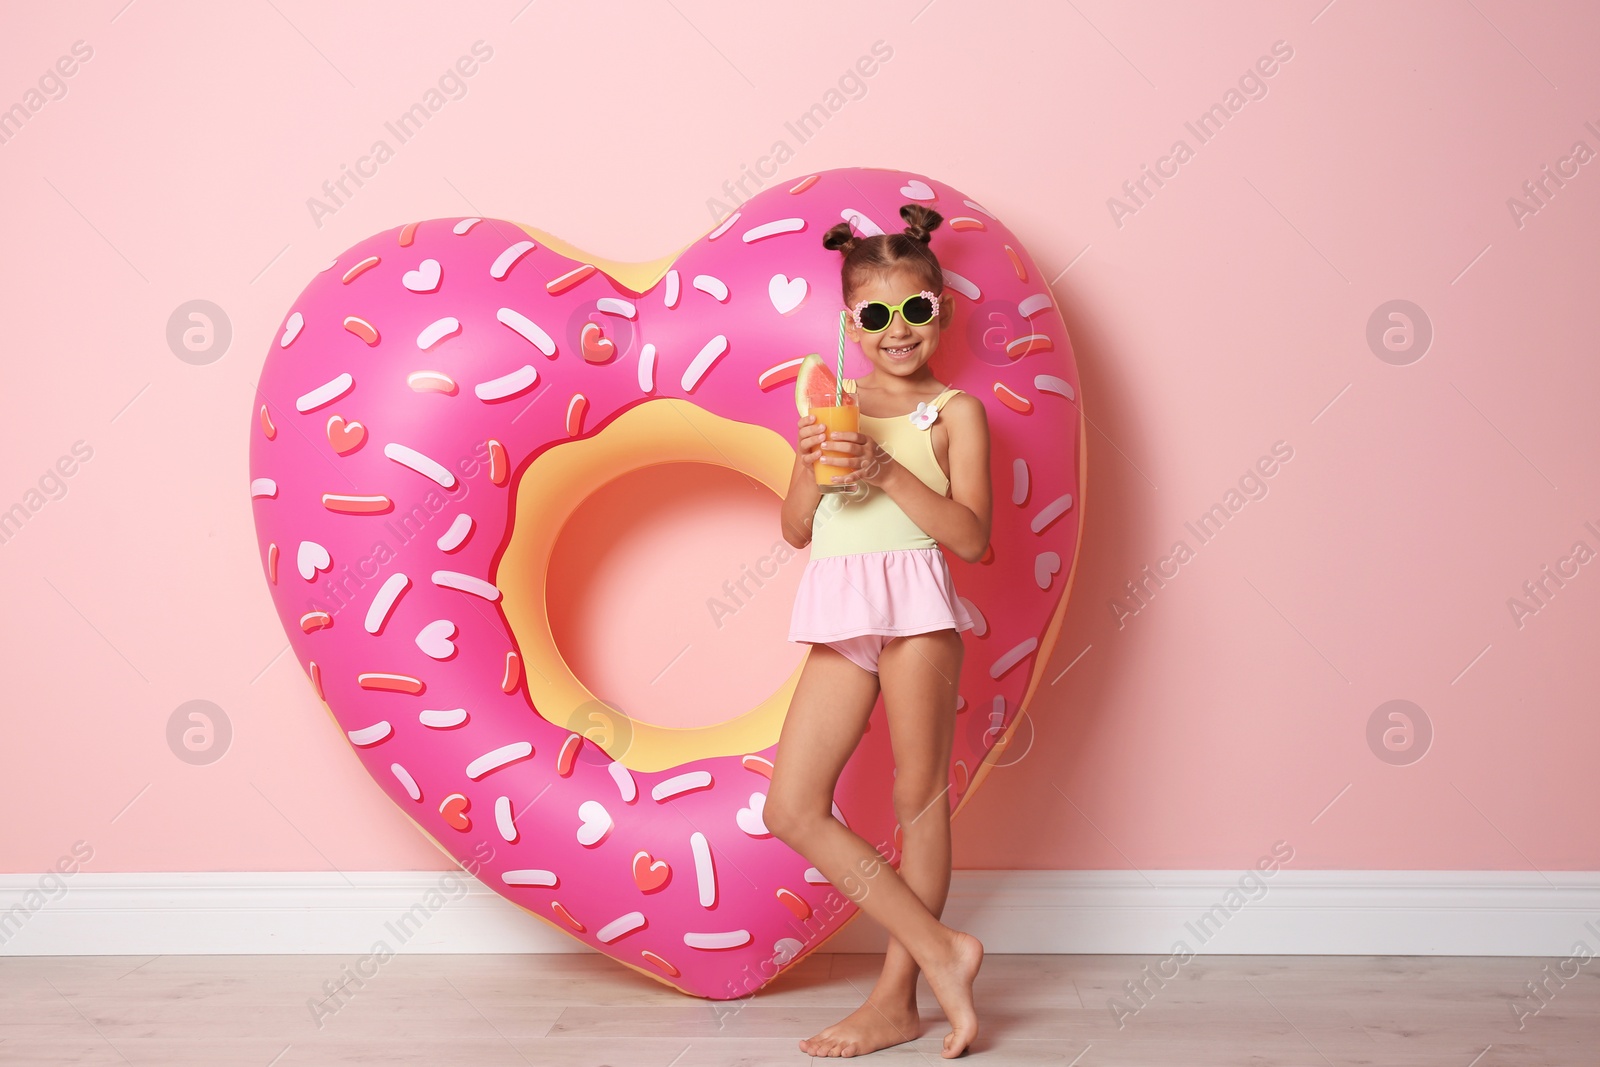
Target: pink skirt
{"x":899,"y":592}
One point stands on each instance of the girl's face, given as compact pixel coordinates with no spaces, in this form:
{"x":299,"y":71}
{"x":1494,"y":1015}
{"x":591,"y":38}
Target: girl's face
{"x":900,"y":350}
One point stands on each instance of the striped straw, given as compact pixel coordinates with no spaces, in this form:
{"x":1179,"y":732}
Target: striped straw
{"x":838,"y":381}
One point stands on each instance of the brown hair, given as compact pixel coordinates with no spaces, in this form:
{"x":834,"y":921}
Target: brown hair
{"x":881,"y":253}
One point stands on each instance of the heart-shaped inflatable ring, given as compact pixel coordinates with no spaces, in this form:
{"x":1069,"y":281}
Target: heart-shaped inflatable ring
{"x":408,"y":491}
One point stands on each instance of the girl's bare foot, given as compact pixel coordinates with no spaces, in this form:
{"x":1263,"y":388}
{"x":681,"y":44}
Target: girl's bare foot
{"x":867,"y":1029}
{"x":951,"y":980}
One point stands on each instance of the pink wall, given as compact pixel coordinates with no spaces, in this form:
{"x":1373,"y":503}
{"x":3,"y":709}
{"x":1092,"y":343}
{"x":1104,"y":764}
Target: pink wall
{"x":1227,"y":313}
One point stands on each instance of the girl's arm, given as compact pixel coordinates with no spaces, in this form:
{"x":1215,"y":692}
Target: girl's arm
{"x":960,"y":521}
{"x":800,"y":505}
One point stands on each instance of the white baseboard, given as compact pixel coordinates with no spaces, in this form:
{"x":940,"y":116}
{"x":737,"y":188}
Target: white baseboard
{"x":1426,"y":913}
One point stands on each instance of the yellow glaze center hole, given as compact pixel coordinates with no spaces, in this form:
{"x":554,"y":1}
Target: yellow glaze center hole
{"x":649,"y":588}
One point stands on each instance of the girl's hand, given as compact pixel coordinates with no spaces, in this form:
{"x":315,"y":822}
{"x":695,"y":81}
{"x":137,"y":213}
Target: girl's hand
{"x":870,"y":462}
{"x":809,"y":440}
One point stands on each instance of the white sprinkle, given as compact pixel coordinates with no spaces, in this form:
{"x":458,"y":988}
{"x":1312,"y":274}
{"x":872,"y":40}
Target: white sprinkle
{"x":713,"y":351}
{"x":647,"y":369}
{"x":1034,"y":304}
{"x":530,"y":877}
{"x":500,"y":757}
{"x":965,"y":287}
{"x":625,"y":783}
{"x":423,"y":465}
{"x":431,"y":380}
{"x":503,"y":821}
{"x":1010,"y":659}
{"x":406,"y":780}
{"x":625,"y":924}
{"x":370,"y":735}
{"x":611,"y":305}
{"x":978,"y":207}
{"x":705,"y":871}
{"x":263,"y":487}
{"x":859,"y":220}
{"x":437,"y":331}
{"x":465,"y":583}
{"x":291,"y":328}
{"x":718,"y":939}
{"x":723,"y":227}
{"x":671,"y":293}
{"x":509,"y":257}
{"x":773,"y":229}
{"x":382,"y":604}
{"x":452,"y":538}
{"x":527,"y":329}
{"x":325,"y":394}
{"x":1049,"y":383}
{"x":443,"y":719}
{"x":680,"y":783}
{"x":712,"y":286}
{"x":980,"y":625}
{"x":464,"y":226}
{"x":518,"y":381}
{"x":1051,"y":512}
{"x":816,"y":877}
{"x":1019,"y":481}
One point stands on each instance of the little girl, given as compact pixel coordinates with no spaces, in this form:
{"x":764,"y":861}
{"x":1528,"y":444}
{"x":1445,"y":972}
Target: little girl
{"x":878,"y":606}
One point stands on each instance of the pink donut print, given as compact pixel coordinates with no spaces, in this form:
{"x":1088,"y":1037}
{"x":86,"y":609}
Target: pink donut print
{"x":443,"y":395}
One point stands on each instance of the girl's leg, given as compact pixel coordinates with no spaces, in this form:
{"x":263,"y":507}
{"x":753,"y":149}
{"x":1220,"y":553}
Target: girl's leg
{"x":831,"y":705}
{"x":825,"y":720}
{"x":919,"y":691}
{"x":918,"y":675}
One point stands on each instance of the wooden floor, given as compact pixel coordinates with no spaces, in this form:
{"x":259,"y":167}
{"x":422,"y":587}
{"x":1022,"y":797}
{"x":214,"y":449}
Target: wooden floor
{"x":584,"y":1009}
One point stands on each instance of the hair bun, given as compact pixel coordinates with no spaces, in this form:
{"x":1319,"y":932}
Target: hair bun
{"x":841,"y":238}
{"x":920,"y":221}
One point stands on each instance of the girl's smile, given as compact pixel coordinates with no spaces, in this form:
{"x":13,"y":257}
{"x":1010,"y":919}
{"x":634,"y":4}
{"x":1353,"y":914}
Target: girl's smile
{"x":900,"y":350}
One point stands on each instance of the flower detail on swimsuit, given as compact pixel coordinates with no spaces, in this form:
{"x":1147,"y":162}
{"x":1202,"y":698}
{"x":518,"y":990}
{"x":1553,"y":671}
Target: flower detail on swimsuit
{"x":923,"y":417}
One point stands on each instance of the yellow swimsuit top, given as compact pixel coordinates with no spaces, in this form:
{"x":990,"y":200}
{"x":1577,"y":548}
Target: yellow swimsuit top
{"x":869,"y":520}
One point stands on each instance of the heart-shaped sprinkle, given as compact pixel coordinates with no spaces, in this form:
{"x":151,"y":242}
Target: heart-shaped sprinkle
{"x":597,"y":347}
{"x":649,"y":874}
{"x":345,"y":437}
{"x":1045,"y":566}
{"x":454,"y":810}
{"x":425,"y":279}
{"x":434,"y":640}
{"x":786,"y":293}
{"x":749,"y":818}
{"x":785,"y":949}
{"x":312,"y":558}
{"x":916,"y":190}
{"x":596,"y":823}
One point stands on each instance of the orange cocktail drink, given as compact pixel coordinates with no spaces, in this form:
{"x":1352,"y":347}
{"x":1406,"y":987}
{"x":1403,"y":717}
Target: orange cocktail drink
{"x":840,"y":419}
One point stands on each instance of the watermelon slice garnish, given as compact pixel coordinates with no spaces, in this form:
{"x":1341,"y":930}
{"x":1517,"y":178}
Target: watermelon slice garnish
{"x":814,"y":385}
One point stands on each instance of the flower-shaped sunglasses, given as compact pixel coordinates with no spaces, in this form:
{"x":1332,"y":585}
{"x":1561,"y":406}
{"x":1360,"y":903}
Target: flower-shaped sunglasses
{"x":874,"y":316}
